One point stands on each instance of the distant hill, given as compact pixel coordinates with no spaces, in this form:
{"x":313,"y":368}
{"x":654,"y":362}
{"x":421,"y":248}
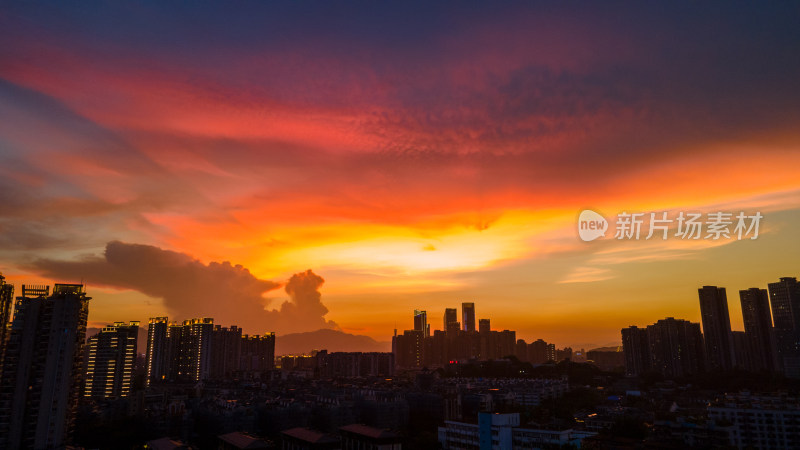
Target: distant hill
{"x":616,"y":348}
{"x":326,"y":339}
{"x":297,"y":343}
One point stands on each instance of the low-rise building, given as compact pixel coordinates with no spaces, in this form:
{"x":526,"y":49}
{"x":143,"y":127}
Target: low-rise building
{"x":239,"y":441}
{"x":503,"y":432}
{"x":759,"y":422}
{"x":308,"y":439}
{"x":363,"y":437}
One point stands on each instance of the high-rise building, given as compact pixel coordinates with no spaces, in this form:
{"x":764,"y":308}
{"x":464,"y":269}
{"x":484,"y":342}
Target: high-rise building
{"x":716,"y":328}
{"x":197,"y":350}
{"x":676,"y":347}
{"x":450,"y":317}
{"x":550,"y":352}
{"x":41,"y":379}
{"x":197,"y":346}
{"x":421,"y":322}
{"x":453,"y":328}
{"x":157,"y":352}
{"x":564,"y":354}
{"x":178,"y":361}
{"x":758,"y":329}
{"x":785,"y":299}
{"x":189,"y":350}
{"x":537,"y":351}
{"x":409,"y":348}
{"x":636,"y":348}
{"x":521,"y":350}
{"x":414,"y":348}
{"x":743,"y":351}
{"x":6,"y":308}
{"x":258,"y":355}
{"x":506,"y":341}
{"x":468,"y":316}
{"x":110,"y":362}
{"x":226,"y":351}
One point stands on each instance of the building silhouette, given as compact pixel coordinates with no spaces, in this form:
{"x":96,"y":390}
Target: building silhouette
{"x":784,"y":296}
{"x":421,"y":322}
{"x":6,"y":308}
{"x":257,"y":356}
{"x":156,"y":356}
{"x":671,"y":347}
{"x":198,"y":350}
{"x":676,"y":347}
{"x":111,"y":356}
{"x":468,"y":316}
{"x":187,"y":352}
{"x":413,"y":348}
{"x":354,"y":364}
{"x":743,"y":351}
{"x":759,"y":334}
{"x":539,"y":352}
{"x":226,"y":352}
{"x":451,"y":319}
{"x":716,"y":327}
{"x":409,"y":348}
{"x":636,"y":348}
{"x":43,"y":366}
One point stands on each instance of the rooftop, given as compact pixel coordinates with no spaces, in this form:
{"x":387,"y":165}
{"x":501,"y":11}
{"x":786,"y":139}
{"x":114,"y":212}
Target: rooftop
{"x":368,"y":431}
{"x":309,"y":435}
{"x":243,"y":440}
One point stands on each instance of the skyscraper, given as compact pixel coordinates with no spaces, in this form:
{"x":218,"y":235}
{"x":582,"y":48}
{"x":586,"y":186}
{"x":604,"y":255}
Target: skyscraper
{"x":156,"y":357}
{"x":189,"y":350}
{"x":6,"y":304}
{"x":676,"y":347}
{"x":716,"y":327}
{"x":550,"y":352}
{"x":450,"y":317}
{"x":258,"y":355}
{"x":785,"y":299}
{"x":110,"y":362}
{"x":537,"y":351}
{"x":484,"y":326}
{"x":421,"y":322}
{"x":196,"y":346}
{"x":759,"y":333}
{"x":178,"y":364}
{"x":409,"y":348}
{"x":743,"y":350}
{"x":41,"y":378}
{"x":468,"y":316}
{"x":226,"y":351}
{"x":636,"y":348}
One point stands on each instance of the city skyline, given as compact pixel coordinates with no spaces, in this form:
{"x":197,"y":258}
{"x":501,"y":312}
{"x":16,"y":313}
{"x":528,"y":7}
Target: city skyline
{"x":340,"y":170}
{"x":729,"y":312}
{"x":52,"y":369}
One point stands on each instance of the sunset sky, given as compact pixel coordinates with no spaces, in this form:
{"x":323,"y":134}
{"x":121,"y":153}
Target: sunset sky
{"x":189,"y":159}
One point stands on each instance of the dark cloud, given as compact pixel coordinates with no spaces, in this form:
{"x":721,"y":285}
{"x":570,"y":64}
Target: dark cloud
{"x":228,"y":293}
